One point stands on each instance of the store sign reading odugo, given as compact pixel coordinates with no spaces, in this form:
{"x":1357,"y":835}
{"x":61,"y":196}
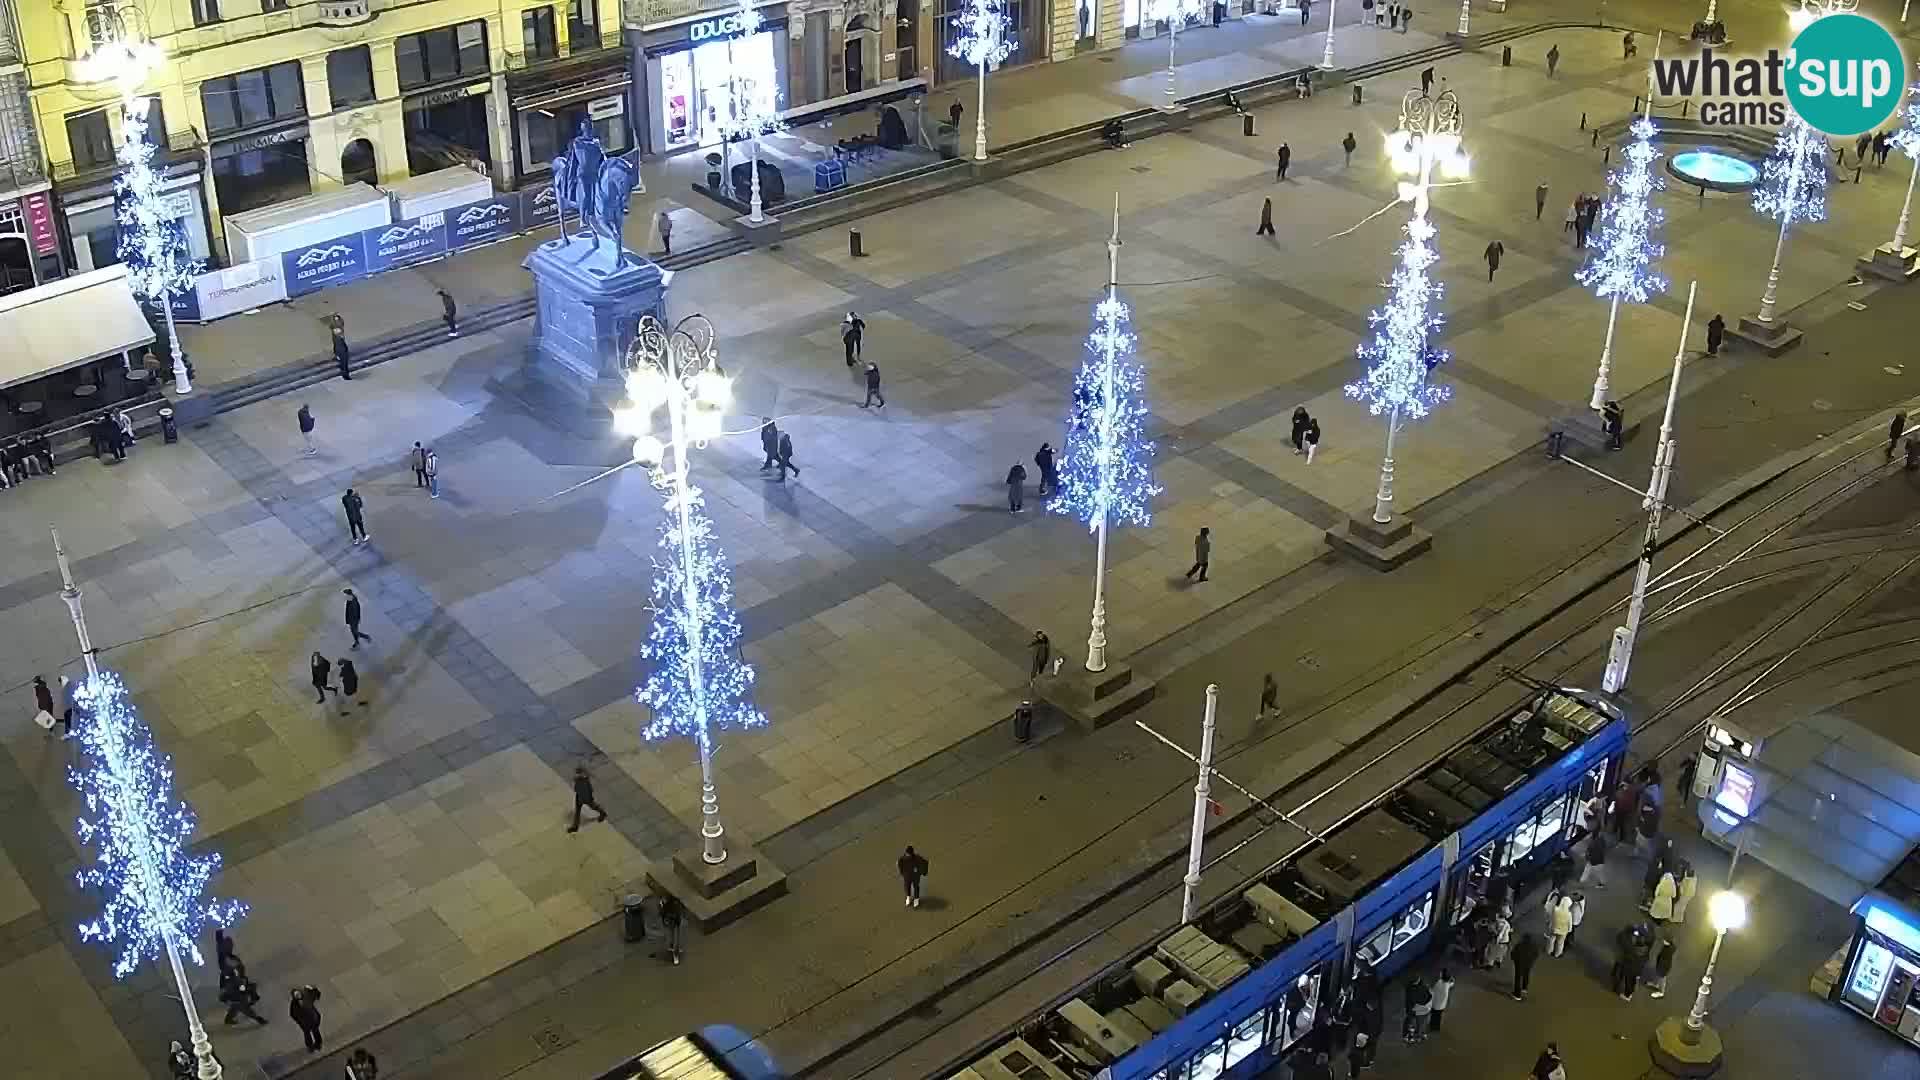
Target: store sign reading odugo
{"x":721,"y":26}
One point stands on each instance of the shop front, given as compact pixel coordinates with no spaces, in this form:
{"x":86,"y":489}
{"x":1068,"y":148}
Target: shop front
{"x":94,"y":225}
{"x":260,"y":168}
{"x":448,"y":126}
{"x":550,"y":104}
{"x":1881,"y":980}
{"x":688,"y":65}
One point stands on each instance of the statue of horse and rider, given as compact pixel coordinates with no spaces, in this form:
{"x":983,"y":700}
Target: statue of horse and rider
{"x":597,"y":189}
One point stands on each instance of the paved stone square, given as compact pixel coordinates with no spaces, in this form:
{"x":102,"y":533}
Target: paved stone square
{"x":399,"y":850}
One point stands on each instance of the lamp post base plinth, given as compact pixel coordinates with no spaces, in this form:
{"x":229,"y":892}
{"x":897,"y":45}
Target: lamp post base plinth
{"x":1889,"y":263}
{"x":1094,"y":699}
{"x":1383,"y":547}
{"x":761,"y":233}
{"x":716,"y":894}
{"x":1772,"y":338}
{"x":1467,"y":42}
{"x":1681,"y":1052}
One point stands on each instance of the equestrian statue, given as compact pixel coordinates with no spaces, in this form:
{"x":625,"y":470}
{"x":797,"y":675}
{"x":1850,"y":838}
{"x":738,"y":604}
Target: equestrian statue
{"x":595,"y":188}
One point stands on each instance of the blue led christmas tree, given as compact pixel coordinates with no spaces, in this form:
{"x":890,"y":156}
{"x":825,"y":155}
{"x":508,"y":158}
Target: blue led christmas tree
{"x":1398,"y":357}
{"x":154,"y":894}
{"x":1621,"y":266}
{"x":980,"y":38}
{"x":699,"y":683}
{"x":151,"y":243}
{"x":1793,"y":180}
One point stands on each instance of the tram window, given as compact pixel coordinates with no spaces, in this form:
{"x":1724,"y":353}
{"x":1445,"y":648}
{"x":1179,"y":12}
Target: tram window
{"x":1246,"y":1037}
{"x":1300,"y":1009}
{"x":1541,"y":828}
{"x":1377,"y":947}
{"x":1209,"y":1063}
{"x":1594,"y":782}
{"x":1413,"y":921}
{"x":1473,"y":884}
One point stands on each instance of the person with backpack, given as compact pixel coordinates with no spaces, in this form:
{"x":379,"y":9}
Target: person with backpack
{"x":913,"y":871}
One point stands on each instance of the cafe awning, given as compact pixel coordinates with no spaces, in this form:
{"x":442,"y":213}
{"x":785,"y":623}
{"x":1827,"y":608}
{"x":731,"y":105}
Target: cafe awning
{"x":66,"y":323}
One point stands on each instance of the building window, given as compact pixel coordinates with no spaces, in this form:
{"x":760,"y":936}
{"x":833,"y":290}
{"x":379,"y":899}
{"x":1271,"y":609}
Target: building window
{"x":92,"y":139}
{"x":350,"y":76}
{"x":583,"y":25}
{"x":451,"y":52}
{"x":252,"y":98}
{"x":536,"y":34}
{"x":156,"y":123}
{"x":206,"y":12}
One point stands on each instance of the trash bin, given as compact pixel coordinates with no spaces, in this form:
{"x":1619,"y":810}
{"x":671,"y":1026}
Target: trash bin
{"x":1023,"y":722}
{"x":1356,"y":93}
{"x":633,"y":918}
{"x":1506,"y":56}
{"x":1246,"y":125}
{"x":169,"y":431}
{"x":853,"y":243}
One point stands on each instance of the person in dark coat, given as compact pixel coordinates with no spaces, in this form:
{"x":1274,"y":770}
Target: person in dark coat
{"x":1614,"y":422}
{"x":1349,"y":145}
{"x":1524,"y":954}
{"x":1539,"y":200}
{"x":363,"y":1066}
{"x":786,"y":457}
{"x":852,"y":329}
{"x":769,"y":442}
{"x":1628,"y":962}
{"x":303,"y":1008}
{"x":1553,"y":60}
{"x":342,"y":356}
{"x":913,"y":871}
{"x":874,"y":397}
{"x":1300,"y":421}
{"x":449,"y":313}
{"x":322,"y":670}
{"x":1049,"y":473}
{"x":1426,"y":80}
{"x":1595,"y":869}
{"x":240,"y":994}
{"x":349,"y":682}
{"x":1418,"y":1000}
{"x":1894,"y":430}
{"x":672,"y":921}
{"x":1494,"y":251}
{"x":305,"y":418}
{"x":954,"y":113}
{"x":43,"y":697}
{"x":1548,"y":1066}
{"x":1716,"y":333}
{"x":356,"y":516}
{"x":1282,"y":158}
{"x":180,"y":1060}
{"x":1269,"y":695}
{"x":224,"y":958}
{"x":1016,"y":486}
{"x":583,"y":797}
{"x":353,"y":619}
{"x":1202,"y":553}
{"x":1042,"y":650}
{"x":1266,"y":218}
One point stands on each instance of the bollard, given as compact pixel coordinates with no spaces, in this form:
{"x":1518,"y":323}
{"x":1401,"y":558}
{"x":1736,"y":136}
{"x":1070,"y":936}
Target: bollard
{"x":1356,"y":93}
{"x":633,"y":918}
{"x":169,"y":430}
{"x":1506,"y":56}
{"x":1246,"y":125}
{"x":853,"y":244}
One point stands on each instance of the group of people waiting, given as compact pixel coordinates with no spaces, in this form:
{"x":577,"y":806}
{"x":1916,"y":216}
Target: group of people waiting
{"x":24,"y":457}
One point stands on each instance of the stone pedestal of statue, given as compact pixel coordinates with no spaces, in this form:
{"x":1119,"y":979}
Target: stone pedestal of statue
{"x":588,"y":305}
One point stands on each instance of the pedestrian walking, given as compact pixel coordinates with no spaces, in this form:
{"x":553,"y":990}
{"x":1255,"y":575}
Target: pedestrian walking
{"x":673,"y":917}
{"x":1524,"y":956}
{"x":786,"y":457}
{"x":1881,"y":146}
{"x":1310,"y":438}
{"x":1660,"y":905}
{"x":1579,"y":912}
{"x":1553,"y":60}
{"x":305,"y":417}
{"x":1406,"y":17}
{"x":1539,"y":200}
{"x":913,"y":871}
{"x":449,"y":313}
{"x":322,"y":671}
{"x":664,"y":222}
{"x":1559,"y":926}
{"x":874,"y":397}
{"x":1596,"y":868}
{"x":852,"y":329}
{"x":1442,"y":996}
{"x":303,"y":1008}
{"x":1548,"y":1065}
{"x":1202,"y":551}
{"x":1269,"y":696}
{"x":1716,"y":333}
{"x":1426,"y":80}
{"x":1349,"y":145}
{"x":417,"y":461}
{"x":1266,"y":218}
{"x":43,"y":703}
{"x":349,"y":683}
{"x":342,"y":356}
{"x":769,"y":442}
{"x":1894,"y":430}
{"x":66,"y":707}
{"x":1282,"y":158}
{"x":1628,"y":47}
{"x":1305,"y":7}
{"x":1688,"y":885}
{"x":240,"y":994}
{"x":1049,"y":472}
{"x":353,"y":618}
{"x":1016,"y":486}
{"x":583,"y":798}
{"x":1662,"y":967}
{"x":1299,"y":434}
{"x":1614,"y":422}
{"x":363,"y":1066}
{"x":1419,"y":1006}
{"x":1041,"y":649}
{"x":1502,"y":940}
{"x":1860,"y":147}
{"x":955,"y":112}
{"x":224,"y":958}
{"x":433,"y":474}
{"x":356,"y":509}
{"x":1494,"y":251}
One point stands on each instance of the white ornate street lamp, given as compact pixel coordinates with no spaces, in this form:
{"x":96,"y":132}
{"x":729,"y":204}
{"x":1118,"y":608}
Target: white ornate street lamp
{"x":1326,"y":54}
{"x":753,"y":106}
{"x":1175,"y":13}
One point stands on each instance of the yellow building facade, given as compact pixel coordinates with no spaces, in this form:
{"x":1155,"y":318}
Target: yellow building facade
{"x":268,"y":100}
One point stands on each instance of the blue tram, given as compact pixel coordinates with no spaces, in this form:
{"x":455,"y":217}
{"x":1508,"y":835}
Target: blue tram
{"x":1230,"y":994}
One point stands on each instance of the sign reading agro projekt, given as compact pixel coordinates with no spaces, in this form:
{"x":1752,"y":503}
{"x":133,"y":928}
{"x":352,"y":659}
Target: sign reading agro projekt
{"x":409,"y":240}
{"x":330,"y":262}
{"x":483,"y":222}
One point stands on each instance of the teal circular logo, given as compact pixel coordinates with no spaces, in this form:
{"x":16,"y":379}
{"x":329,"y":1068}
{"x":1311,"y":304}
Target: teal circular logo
{"x":1845,"y":75}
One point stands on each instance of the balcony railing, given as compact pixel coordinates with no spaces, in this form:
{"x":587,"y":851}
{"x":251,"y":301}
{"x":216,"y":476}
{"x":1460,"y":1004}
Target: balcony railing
{"x":521,"y":61}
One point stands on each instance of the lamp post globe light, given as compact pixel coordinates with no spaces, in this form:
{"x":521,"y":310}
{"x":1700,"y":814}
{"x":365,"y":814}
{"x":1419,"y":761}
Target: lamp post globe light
{"x":151,"y":246}
{"x":753,"y":99}
{"x":1399,"y":358}
{"x":699,"y":682}
{"x":981,"y":40}
{"x":1689,"y":1046}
